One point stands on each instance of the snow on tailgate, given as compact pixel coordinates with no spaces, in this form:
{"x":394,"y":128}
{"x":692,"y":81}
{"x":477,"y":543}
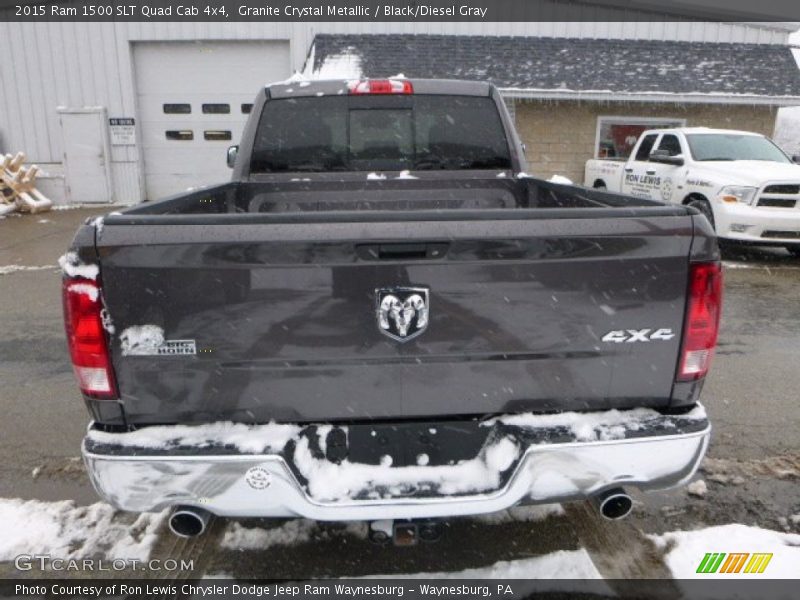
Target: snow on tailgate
{"x":72,"y":266}
{"x":250,"y":439}
{"x":594,"y":426}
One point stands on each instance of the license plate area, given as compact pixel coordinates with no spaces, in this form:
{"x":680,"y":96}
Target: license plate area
{"x":399,"y":444}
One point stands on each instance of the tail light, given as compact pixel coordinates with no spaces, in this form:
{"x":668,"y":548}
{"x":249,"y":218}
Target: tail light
{"x":703,"y":310}
{"x":86,"y":338}
{"x":382,"y":86}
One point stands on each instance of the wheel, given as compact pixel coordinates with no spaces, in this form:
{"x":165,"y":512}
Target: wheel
{"x":705,"y":209}
{"x":600,"y":186}
{"x":794,"y":250}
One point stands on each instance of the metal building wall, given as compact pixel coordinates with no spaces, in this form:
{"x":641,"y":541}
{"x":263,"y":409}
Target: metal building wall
{"x":47,"y":65}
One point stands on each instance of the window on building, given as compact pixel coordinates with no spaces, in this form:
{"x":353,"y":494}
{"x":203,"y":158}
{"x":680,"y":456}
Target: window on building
{"x":616,"y":136}
{"x":247,"y":108}
{"x":177,"y":109}
{"x":217,"y":135}
{"x":216,"y":109}
{"x":184,"y":135}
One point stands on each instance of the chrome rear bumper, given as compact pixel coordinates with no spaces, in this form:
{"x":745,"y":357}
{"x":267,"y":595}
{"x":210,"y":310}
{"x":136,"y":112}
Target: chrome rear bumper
{"x":657,"y":453}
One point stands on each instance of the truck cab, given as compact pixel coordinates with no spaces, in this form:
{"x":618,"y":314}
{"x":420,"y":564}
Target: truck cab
{"x":747,"y":187}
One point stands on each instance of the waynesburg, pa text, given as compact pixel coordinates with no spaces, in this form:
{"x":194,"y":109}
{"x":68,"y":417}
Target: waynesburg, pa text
{"x":249,"y":590}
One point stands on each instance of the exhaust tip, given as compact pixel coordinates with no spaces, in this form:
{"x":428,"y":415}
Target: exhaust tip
{"x":613,"y":504}
{"x":188,"y":522}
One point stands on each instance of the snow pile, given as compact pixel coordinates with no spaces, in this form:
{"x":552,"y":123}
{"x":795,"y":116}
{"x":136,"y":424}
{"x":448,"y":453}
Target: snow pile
{"x":560,"y":179}
{"x":292,"y":532}
{"x":689,"y":547}
{"x":406,"y":175}
{"x":697,"y":488}
{"x":251,"y":439}
{"x":375,"y":176}
{"x":141,"y":340}
{"x":295,"y":77}
{"x":331,"y":482}
{"x":516,"y":514}
{"x":346,"y":65}
{"x":72,"y":266}
{"x":593,"y":426}
{"x":64,"y":530}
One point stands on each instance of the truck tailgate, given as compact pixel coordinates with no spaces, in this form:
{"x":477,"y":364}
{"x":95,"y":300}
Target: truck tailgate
{"x":279,"y":320}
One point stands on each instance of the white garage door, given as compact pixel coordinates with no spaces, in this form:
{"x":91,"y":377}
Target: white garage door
{"x":193,"y":101}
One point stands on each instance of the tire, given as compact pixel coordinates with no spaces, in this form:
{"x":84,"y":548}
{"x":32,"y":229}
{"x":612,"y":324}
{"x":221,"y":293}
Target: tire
{"x":600,"y":186}
{"x":794,"y":250}
{"x":705,"y":209}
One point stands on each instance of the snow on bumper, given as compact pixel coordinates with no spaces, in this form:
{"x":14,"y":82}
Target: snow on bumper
{"x":236,"y":471}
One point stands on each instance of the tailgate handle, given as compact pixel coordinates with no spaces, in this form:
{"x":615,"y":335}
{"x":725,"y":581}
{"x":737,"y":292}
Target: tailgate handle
{"x":402,"y":251}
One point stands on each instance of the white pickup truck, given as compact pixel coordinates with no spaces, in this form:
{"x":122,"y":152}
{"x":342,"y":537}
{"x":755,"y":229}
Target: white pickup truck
{"x":745,"y":185}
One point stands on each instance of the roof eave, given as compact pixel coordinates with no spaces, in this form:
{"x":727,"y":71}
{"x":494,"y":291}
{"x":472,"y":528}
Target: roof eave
{"x":653,"y":97}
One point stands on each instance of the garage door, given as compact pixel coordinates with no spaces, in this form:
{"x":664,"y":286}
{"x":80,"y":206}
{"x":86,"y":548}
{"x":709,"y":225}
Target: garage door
{"x":193,"y":101}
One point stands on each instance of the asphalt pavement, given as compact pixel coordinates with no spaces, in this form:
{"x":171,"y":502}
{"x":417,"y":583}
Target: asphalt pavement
{"x":751,"y":471}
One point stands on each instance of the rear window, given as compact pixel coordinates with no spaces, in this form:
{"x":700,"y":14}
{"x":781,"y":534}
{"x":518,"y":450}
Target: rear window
{"x":376,"y":133}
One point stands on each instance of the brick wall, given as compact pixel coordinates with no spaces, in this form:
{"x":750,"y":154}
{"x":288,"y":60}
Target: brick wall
{"x":560,"y":135}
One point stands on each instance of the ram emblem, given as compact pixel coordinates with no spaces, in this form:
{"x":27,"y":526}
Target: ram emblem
{"x":402,"y":312}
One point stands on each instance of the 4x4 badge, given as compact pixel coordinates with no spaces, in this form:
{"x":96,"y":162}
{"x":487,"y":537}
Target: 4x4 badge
{"x":402,"y":312}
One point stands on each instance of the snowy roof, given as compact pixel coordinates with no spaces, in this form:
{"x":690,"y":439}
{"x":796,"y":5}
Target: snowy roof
{"x":573,"y":67}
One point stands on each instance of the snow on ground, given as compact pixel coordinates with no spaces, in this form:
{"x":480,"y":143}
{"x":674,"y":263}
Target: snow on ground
{"x":532,"y":513}
{"x":297,"y":531}
{"x":64,"y":530}
{"x":560,"y":179}
{"x":697,"y":488}
{"x":6,"y":269}
{"x":689,"y":547}
{"x":562,"y":564}
{"x":293,"y":532}
{"x":729,"y":264}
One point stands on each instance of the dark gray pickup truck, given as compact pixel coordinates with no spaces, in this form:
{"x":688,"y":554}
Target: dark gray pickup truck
{"x":381,"y":317}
